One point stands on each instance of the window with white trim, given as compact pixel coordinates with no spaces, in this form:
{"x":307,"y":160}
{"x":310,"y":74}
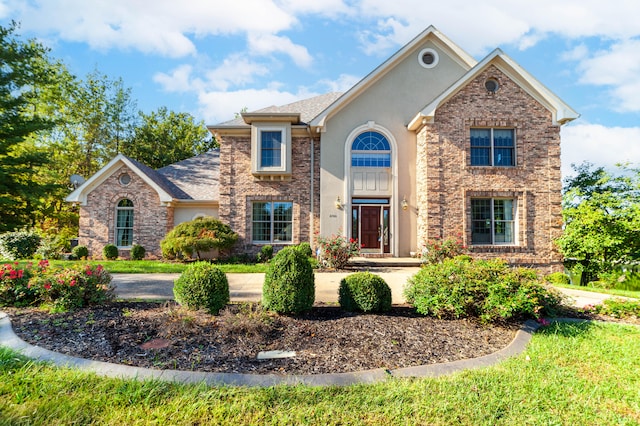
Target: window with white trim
{"x":492,"y":221}
{"x":124,"y":223}
{"x":493,"y":147}
{"x":271,"y":149}
{"x":272,"y":222}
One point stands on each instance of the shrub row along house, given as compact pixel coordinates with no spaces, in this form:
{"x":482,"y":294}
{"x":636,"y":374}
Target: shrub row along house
{"x":431,"y":144}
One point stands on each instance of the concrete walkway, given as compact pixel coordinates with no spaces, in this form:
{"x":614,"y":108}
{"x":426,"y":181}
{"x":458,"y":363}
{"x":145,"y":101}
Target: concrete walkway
{"x":248,"y":287}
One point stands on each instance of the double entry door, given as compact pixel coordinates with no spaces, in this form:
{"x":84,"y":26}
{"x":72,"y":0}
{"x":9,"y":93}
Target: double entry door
{"x":371,"y":225}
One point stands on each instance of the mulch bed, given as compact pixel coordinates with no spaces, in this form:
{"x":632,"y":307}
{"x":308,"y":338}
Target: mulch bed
{"x":325,"y":340}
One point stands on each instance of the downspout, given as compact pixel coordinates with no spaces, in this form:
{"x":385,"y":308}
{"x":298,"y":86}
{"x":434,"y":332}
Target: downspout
{"x":311,"y":185}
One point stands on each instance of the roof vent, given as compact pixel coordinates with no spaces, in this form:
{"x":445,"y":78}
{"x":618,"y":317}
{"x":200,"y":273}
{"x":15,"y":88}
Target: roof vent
{"x":491,"y":85}
{"x":428,"y":58}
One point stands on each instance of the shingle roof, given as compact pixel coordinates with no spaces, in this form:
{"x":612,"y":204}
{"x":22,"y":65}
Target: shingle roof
{"x":196,"y":178}
{"x":308,"y":109}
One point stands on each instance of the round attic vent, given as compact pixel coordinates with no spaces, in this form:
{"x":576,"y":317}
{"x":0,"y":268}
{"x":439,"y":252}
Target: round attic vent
{"x":428,"y":58}
{"x":124,"y":179}
{"x":492,"y":85}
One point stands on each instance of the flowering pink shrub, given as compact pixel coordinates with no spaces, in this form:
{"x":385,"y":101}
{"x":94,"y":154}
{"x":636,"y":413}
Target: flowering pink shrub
{"x":73,"y":287}
{"x":335,"y":251}
{"x":437,"y":249}
{"x":14,"y":285}
{"x":62,"y":289}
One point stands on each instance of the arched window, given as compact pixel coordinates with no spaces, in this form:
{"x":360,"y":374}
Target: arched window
{"x":124,"y":223}
{"x":370,"y":149}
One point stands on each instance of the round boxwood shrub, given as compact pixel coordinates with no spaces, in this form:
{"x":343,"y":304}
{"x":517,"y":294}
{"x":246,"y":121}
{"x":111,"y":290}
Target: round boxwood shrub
{"x":202,"y":286}
{"x":137,"y":252}
{"x":305,"y":249}
{"x":110,"y":252}
{"x":19,"y":244}
{"x":364,"y":292}
{"x":558,"y":278}
{"x":289,"y":286}
{"x":80,"y":252}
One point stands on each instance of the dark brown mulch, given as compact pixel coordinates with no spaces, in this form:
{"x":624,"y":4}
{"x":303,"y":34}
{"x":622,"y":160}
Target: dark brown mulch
{"x":325,"y":340}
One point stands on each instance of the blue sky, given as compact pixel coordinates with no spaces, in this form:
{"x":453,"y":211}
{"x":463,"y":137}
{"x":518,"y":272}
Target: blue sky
{"x":212,"y":58}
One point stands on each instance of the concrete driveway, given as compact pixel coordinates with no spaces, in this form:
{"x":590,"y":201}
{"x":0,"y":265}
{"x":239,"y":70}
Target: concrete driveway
{"x":248,"y":287}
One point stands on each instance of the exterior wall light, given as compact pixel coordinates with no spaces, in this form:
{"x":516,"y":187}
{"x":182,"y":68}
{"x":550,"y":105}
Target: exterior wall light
{"x":404,"y":203}
{"x":338,"y":203}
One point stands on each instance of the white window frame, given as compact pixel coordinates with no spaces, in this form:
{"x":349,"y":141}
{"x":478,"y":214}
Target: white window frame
{"x":118,"y":228}
{"x":285,"y":149}
{"x":512,"y":222}
{"x":492,"y":147}
{"x":272,"y":239}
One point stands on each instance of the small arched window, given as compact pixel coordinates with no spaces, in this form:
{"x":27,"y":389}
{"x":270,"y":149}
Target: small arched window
{"x":124,"y":223}
{"x":370,"y":149}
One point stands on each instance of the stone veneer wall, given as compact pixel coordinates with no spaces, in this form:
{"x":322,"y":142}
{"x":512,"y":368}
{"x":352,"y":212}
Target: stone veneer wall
{"x":151,"y":221}
{"x":239,"y":188}
{"x":446,"y":181}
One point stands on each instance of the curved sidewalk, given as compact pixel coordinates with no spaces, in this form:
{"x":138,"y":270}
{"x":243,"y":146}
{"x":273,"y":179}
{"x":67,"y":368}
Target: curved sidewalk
{"x":9,"y":339}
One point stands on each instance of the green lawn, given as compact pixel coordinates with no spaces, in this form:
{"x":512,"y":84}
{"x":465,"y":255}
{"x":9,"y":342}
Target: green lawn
{"x":149,"y":266}
{"x":613,"y":291}
{"x":570,"y":374}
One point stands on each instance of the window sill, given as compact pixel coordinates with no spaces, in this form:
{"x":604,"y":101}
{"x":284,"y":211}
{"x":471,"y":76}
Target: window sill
{"x":498,"y":248}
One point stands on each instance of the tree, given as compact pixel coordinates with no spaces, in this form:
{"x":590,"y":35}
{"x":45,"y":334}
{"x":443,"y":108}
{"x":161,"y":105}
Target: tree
{"x":602,"y":219}
{"x":165,"y":137}
{"x":26,"y":72}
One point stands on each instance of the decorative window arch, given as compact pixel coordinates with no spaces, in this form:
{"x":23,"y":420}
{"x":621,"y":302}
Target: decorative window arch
{"x":124,"y":223}
{"x":371,"y":149}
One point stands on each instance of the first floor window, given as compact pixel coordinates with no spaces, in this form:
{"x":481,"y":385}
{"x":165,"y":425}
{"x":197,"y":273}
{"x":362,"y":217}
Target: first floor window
{"x":493,"y":147}
{"x":272,"y":222}
{"x":492,"y":221}
{"x":124,"y":223}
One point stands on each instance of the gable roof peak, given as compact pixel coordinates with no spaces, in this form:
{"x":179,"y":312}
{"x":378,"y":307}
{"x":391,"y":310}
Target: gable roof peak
{"x":430,"y":33}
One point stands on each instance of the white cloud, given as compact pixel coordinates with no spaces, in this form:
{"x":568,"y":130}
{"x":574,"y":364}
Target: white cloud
{"x":218,"y":106}
{"x":343,"y":83}
{"x":179,"y":80}
{"x":151,"y":26}
{"x":619,"y":68}
{"x":265,"y":44}
{"x":600,"y":145}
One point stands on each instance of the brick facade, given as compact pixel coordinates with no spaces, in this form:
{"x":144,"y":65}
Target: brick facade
{"x":446,"y":181}
{"x":239,"y":188}
{"x":151,"y":220}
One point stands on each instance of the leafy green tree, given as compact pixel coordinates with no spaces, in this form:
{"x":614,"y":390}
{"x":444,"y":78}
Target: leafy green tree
{"x":602,"y":219}
{"x":165,"y":137}
{"x":26,"y":72}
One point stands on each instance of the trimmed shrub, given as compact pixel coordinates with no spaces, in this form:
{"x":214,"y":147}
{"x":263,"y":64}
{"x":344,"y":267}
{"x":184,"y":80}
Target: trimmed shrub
{"x":305,"y":249}
{"x":110,"y":252}
{"x":558,"y":278}
{"x":196,"y":236}
{"x":364,"y":292}
{"x":80,"y":252}
{"x":487,"y":289}
{"x":266,"y":253}
{"x":202,"y":286}
{"x":137,"y":252}
{"x":19,"y":245}
{"x":289,"y":286}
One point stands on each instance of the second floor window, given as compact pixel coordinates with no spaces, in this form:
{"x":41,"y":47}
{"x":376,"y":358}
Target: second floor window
{"x":493,"y":147}
{"x":270,"y":148}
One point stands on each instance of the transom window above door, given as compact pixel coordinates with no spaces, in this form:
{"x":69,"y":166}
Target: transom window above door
{"x":371,"y":149}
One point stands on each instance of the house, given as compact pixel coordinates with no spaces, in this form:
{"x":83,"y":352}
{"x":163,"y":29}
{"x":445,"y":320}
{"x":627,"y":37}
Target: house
{"x":431,"y":144}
